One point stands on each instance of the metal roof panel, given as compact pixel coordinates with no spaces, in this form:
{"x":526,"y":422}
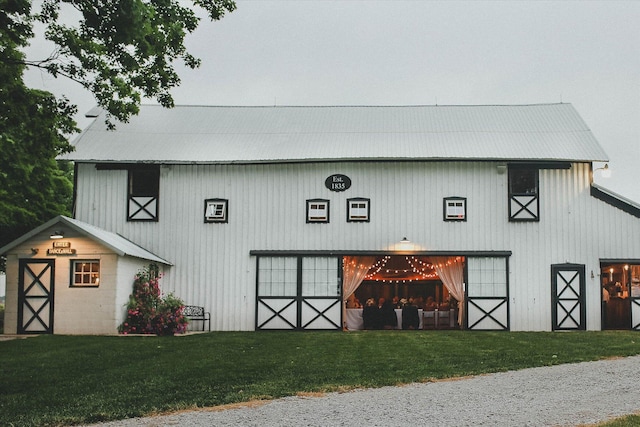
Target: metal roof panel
{"x":200,"y":134}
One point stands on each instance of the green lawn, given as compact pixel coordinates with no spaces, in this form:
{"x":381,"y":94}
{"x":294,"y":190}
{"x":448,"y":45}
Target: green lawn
{"x":54,"y":380}
{"x":629,"y":421}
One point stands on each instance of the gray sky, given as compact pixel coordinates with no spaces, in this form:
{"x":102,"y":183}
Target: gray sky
{"x":315,"y":52}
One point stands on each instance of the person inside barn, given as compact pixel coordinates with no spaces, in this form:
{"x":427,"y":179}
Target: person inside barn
{"x":370,"y":315}
{"x":410,"y":318}
{"x":388,"y":319}
{"x":430,"y":304}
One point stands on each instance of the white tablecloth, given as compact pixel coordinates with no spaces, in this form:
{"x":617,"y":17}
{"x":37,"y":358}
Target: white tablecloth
{"x":354,"y":318}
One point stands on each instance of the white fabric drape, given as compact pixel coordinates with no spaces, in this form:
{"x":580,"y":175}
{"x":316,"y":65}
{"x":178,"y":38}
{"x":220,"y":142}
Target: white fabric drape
{"x":451,"y":272}
{"x":354,"y":270}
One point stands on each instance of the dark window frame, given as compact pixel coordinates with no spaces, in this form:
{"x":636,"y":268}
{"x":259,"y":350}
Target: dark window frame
{"x":350,"y":218}
{"x":522,"y":186}
{"x":215,"y":220}
{"x":308,"y":211}
{"x":143,"y":181}
{"x":445,"y":205}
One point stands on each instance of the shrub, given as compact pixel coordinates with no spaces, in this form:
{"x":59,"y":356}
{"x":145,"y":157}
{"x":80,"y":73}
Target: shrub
{"x":170,"y":319}
{"x":148,"y":312}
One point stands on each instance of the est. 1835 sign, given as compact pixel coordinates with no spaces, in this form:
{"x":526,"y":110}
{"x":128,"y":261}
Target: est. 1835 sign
{"x":338,"y":182}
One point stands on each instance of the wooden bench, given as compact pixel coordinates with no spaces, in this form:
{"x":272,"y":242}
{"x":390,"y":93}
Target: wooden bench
{"x":194,"y":312}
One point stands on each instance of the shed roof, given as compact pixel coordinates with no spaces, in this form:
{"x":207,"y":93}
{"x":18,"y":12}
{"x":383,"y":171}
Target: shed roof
{"x":115,"y":242}
{"x":210,"y":134}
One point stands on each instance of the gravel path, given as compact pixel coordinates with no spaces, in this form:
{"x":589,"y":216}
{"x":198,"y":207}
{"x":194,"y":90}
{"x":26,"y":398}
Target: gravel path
{"x":563,"y":395}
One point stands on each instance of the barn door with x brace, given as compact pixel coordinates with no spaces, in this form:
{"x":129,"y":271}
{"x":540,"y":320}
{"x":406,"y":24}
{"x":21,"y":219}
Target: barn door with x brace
{"x":35,"y":296}
{"x":568,"y":297}
{"x":299,"y":293}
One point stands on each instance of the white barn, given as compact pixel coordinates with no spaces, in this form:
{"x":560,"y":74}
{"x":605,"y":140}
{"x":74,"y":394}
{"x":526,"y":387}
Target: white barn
{"x":277,"y":217}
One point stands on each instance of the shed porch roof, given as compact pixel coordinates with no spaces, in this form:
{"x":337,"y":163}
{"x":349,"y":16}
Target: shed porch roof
{"x":113,"y":241}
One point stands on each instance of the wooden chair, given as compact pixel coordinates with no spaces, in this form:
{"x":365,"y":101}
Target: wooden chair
{"x":444,"y":318}
{"x":429,"y":319}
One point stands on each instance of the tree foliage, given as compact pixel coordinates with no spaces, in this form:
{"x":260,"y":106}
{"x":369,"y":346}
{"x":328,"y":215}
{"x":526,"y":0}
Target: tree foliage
{"x":122,"y":51}
{"x":34,"y":126}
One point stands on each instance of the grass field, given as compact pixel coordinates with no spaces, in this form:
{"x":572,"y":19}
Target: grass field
{"x":61,"y":380}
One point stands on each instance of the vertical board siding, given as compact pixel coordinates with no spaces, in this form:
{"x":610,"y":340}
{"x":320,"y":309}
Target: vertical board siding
{"x":267,"y":208}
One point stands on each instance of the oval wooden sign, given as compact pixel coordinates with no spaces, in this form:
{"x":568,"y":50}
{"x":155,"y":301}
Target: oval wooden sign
{"x":338,"y":182}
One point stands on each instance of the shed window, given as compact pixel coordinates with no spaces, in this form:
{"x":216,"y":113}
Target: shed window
{"x":358,"y":210}
{"x":85,"y":273}
{"x":318,"y":211}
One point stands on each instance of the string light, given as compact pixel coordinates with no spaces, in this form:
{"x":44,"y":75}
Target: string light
{"x":425,"y":271}
{"x":377,"y":267}
{"x":418,"y":266}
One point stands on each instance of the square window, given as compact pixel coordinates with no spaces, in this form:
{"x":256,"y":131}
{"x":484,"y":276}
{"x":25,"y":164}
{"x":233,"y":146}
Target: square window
{"x":358,"y":210}
{"x":144,"y":181}
{"x":85,"y":273}
{"x":455,"y":209}
{"x":523,"y":180}
{"x":318,"y":211}
{"x":216,"y":210}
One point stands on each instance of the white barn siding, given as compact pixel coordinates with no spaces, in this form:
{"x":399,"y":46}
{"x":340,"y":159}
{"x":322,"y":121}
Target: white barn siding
{"x":212,"y":265}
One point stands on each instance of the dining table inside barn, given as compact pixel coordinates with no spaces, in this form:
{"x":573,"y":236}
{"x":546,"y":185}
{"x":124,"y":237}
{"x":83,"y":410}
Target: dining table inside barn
{"x":429,"y":319}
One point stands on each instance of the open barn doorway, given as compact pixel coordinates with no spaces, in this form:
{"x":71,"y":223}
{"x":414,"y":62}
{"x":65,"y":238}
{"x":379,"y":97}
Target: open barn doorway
{"x":432,"y":286}
{"x":620,"y":283}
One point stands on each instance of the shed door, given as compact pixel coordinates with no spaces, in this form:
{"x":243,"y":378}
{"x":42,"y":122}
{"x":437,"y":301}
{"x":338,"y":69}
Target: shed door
{"x":568,"y":299}
{"x":35,"y":296}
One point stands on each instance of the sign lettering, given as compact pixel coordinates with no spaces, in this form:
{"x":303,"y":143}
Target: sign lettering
{"x":338,"y":182}
{"x":61,"y":251}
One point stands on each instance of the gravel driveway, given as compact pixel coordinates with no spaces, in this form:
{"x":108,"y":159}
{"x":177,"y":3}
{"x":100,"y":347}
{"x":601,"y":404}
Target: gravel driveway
{"x":563,"y":395}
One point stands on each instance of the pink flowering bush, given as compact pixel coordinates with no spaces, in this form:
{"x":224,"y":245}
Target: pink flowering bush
{"x":148,"y":312}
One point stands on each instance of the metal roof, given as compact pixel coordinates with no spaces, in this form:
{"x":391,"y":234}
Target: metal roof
{"x":211,"y":134}
{"x":115,"y":242}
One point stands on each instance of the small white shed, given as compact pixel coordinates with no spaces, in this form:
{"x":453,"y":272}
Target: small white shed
{"x":69,"y":277}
